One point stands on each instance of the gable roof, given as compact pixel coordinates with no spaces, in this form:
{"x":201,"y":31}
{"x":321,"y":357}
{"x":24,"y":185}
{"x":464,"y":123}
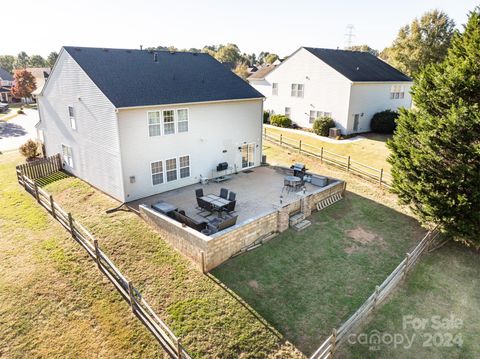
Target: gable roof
{"x":359,"y":66}
{"x":5,"y":75}
{"x":131,"y":78}
{"x":261,"y":73}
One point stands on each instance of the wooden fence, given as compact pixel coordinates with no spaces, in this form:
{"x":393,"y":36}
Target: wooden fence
{"x":139,"y":306}
{"x":42,"y":167}
{"x":346,"y":163}
{"x":327,"y":349}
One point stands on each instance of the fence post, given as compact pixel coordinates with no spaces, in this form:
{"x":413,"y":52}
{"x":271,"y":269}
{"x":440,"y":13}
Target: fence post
{"x":23,"y":179}
{"x":321,"y":154}
{"x":70,"y":223}
{"x":35,"y":187}
{"x":281,"y":139}
{"x":405,"y":269}
{"x":377,"y":290}
{"x":52,"y":205}
{"x":265,"y":132}
{"x":299,"y":146}
{"x":97,"y":253}
{"x":334,"y":341}
{"x":381,"y":176}
{"x":132,"y":298}
{"x":179,"y":349}
{"x":348,"y":164}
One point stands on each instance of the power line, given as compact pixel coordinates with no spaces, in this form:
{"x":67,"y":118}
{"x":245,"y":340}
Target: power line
{"x":350,"y":35}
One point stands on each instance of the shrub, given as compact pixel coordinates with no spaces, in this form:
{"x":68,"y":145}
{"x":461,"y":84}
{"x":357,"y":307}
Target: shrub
{"x":280,"y":121}
{"x":266,"y":116}
{"x":322,"y":125}
{"x":384,"y":121}
{"x":29,"y":149}
{"x":20,"y":111}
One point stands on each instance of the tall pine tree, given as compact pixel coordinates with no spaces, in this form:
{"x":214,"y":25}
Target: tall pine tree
{"x":436,"y":147}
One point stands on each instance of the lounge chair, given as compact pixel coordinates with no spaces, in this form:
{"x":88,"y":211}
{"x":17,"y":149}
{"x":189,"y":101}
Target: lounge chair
{"x":223,"y":193}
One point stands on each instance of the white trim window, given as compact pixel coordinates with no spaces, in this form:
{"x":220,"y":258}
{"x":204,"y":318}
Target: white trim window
{"x":154,"y":124}
{"x":67,"y":155}
{"x":168,"y":122}
{"x":397,"y":92}
{"x":157,"y":172}
{"x":313,"y":116}
{"x":184,"y":166}
{"x":171,"y":169}
{"x":297,"y":90}
{"x":71,"y":116}
{"x":275,"y":89}
{"x":288,"y":112}
{"x":182,"y":120}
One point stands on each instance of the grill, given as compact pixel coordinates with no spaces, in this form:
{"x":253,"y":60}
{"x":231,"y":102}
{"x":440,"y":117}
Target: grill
{"x":299,"y":170}
{"x":222,"y":166}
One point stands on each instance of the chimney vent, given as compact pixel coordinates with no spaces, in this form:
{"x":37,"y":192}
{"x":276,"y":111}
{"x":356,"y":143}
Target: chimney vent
{"x":155,"y":57}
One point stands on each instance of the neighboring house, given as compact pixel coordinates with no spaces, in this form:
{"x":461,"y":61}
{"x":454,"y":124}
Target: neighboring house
{"x":135,"y":123}
{"x":41,"y":74}
{"x":6,"y":83}
{"x":349,"y":86}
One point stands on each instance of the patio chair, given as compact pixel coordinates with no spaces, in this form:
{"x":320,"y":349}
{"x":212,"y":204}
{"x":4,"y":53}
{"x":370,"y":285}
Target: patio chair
{"x":229,"y":208}
{"x":232,"y":196}
{"x":223,"y":193}
{"x":199,"y":192}
{"x":205,"y":207}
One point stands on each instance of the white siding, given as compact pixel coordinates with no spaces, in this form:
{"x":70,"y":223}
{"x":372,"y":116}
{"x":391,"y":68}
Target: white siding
{"x":366,"y":99}
{"x":95,"y":143}
{"x":325,"y":89}
{"x":213,"y":129}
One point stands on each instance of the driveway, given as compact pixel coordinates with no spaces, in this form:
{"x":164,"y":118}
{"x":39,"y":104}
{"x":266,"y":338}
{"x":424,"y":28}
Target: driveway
{"x":18,"y":130}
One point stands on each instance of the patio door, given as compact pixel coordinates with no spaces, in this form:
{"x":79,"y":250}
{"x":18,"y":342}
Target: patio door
{"x":248,"y":155}
{"x":356,"y":118}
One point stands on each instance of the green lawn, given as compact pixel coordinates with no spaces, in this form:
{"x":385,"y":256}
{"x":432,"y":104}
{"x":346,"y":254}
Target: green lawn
{"x":444,"y":284}
{"x":54,"y":302}
{"x":307,"y":283}
{"x":371,"y":151}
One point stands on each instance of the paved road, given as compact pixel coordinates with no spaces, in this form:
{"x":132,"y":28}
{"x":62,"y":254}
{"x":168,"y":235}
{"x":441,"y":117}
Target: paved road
{"x":18,"y":130}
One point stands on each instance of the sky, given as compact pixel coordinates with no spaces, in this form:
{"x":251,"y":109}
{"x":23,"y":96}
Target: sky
{"x":277,"y":26}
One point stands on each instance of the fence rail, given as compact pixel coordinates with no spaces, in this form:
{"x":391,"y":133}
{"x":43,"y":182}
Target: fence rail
{"x":327,"y":349}
{"x":346,"y":163}
{"x":139,"y":306}
{"x":42,"y":167}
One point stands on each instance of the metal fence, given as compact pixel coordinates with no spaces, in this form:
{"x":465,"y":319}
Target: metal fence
{"x":345,"y":163}
{"x":139,"y":306}
{"x":327,"y":349}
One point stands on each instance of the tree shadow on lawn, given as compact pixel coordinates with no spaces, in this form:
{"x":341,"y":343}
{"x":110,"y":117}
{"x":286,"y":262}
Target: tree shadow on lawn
{"x":307,"y":283}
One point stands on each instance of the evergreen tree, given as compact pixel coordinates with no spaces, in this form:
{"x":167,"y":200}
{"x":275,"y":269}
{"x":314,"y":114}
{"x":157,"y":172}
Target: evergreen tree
{"x":436,"y":147}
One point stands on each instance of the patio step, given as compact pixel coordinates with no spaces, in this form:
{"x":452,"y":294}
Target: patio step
{"x":296,"y":218}
{"x":300,"y":226}
{"x":329,"y":201}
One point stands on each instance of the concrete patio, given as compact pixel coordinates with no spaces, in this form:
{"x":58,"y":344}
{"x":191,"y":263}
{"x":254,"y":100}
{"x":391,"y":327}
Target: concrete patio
{"x":258,"y":192}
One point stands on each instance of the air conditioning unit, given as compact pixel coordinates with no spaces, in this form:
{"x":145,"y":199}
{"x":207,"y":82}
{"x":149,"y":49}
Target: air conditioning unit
{"x":334,"y":132}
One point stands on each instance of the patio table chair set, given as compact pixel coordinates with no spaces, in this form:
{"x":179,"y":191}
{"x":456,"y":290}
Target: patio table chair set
{"x":210,"y":203}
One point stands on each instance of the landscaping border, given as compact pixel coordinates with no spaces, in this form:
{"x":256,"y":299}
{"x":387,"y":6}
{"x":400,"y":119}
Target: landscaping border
{"x":139,"y":306}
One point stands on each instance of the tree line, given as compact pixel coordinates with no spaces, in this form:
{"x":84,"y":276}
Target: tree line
{"x":23,"y":60}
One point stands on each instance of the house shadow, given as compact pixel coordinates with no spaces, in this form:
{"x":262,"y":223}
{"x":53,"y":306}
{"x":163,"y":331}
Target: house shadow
{"x":304,"y":284}
{"x":379,"y":137}
{"x":8,"y":129}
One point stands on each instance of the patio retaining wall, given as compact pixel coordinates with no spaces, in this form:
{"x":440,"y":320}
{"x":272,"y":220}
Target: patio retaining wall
{"x":220,"y":246}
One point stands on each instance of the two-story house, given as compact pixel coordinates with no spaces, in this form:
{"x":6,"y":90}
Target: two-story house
{"x":135,"y":123}
{"x":6,"y":83}
{"x":348,"y":86}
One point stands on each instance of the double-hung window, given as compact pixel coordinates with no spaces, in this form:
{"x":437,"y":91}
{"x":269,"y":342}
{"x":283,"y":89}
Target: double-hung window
{"x":313,"y":116}
{"x":71,"y":116}
{"x":184,"y":166}
{"x":171,"y":167}
{"x":157,"y":172}
{"x":168,"y":122}
{"x":154,"y":124}
{"x":67,"y":155}
{"x":182,"y":120}
{"x":288,"y":111}
{"x":397,"y":92}
{"x":297,"y":90}
{"x":274,"y":89}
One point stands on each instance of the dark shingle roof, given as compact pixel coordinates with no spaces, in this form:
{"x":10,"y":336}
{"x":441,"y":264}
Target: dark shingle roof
{"x":358,"y":66}
{"x":261,"y":73}
{"x":132,"y":78}
{"x":5,"y":75}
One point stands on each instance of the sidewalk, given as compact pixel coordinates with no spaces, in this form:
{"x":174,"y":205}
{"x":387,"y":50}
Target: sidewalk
{"x":16,"y":131}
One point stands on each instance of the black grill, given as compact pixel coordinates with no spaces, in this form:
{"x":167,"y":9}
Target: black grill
{"x":299,"y":170}
{"x":222,"y":166}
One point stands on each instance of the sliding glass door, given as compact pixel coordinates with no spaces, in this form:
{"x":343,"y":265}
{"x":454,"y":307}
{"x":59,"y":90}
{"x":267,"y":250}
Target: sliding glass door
{"x":248,"y":155}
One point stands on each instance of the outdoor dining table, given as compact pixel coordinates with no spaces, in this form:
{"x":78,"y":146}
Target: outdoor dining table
{"x":217,"y":201}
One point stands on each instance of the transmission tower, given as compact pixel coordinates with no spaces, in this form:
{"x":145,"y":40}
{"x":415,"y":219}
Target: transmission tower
{"x":349,"y":35}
